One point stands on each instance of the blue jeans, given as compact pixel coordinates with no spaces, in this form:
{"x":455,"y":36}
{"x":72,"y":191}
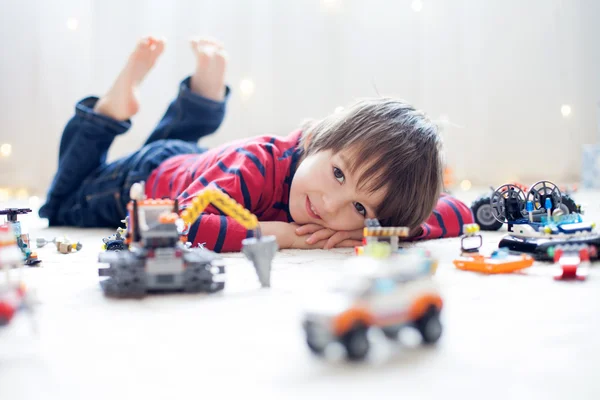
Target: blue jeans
{"x":88,"y":192}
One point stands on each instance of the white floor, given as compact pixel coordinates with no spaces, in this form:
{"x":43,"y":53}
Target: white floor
{"x":520,"y":336}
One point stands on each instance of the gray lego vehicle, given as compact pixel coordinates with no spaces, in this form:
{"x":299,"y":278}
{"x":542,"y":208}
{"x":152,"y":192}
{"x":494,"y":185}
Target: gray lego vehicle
{"x":159,"y":257}
{"x":161,"y":263}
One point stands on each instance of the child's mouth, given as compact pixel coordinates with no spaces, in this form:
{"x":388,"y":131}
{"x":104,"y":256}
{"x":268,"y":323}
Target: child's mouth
{"x":310,"y":210}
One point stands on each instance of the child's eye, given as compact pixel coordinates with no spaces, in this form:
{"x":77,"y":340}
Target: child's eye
{"x":361,"y":209}
{"x":338,"y":175}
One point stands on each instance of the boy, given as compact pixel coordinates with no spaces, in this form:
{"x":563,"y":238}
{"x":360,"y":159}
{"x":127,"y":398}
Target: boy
{"x":378,"y":158}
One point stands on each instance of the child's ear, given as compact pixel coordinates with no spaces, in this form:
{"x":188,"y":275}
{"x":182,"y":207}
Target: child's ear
{"x":307,"y":139}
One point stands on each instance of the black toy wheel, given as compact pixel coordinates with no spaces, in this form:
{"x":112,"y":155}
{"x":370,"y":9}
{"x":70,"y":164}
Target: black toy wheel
{"x":430,"y":326}
{"x":391,"y":332}
{"x":483,"y":214}
{"x":356,"y":343}
{"x":508,"y":203}
{"x":568,"y":205}
{"x":115,"y":246}
{"x":542,"y":190}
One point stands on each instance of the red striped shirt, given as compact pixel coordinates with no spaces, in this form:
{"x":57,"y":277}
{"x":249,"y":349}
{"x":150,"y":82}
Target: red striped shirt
{"x":257,"y":173}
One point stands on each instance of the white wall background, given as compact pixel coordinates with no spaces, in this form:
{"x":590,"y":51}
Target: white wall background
{"x":500,"y":70}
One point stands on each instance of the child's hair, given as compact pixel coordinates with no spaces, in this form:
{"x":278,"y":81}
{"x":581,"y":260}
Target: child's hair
{"x":394,"y":147}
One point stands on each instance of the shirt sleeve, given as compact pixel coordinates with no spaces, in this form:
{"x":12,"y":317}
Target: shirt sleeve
{"x":447,"y":219}
{"x":242,"y":175}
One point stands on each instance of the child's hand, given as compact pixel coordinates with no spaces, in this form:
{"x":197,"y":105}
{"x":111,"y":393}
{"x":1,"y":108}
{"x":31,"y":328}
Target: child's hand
{"x":286,"y":236}
{"x":317,"y":235}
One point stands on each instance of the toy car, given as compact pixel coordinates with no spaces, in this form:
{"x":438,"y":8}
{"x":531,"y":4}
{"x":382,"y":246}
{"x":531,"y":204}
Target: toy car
{"x":385,"y":293}
{"x":574,"y":262}
{"x":159,"y":256}
{"x":542,"y":247}
{"x":507,"y":204}
{"x":571,"y":224}
{"x":500,"y":261}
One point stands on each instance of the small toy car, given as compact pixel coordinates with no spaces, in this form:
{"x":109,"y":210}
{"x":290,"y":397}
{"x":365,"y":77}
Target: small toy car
{"x":574,"y":261}
{"x":384,"y":293}
{"x":507,"y":204}
{"x":542,"y":247}
{"x":499,"y":262}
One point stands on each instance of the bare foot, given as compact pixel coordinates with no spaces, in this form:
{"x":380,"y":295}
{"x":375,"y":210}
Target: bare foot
{"x":209,"y":79}
{"x":121,"y":101}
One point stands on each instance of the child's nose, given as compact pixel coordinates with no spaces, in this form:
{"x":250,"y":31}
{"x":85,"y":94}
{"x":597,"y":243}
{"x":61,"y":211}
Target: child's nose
{"x":332,"y":202}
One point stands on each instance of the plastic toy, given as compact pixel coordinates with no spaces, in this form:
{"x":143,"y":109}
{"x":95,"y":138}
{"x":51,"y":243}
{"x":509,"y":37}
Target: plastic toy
{"x":116,"y":242}
{"x":41,"y":242}
{"x":259,"y":249}
{"x":574,"y":262}
{"x":383,"y":293}
{"x":541,"y":247}
{"x":13,"y":294}
{"x":373,"y":232}
{"x":63,"y":245}
{"x":31,"y":257}
{"x":159,"y":257}
{"x":382,"y":242}
{"x":507,"y":204}
{"x":499,"y":262}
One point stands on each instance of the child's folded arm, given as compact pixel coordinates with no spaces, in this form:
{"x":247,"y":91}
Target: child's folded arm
{"x":447,"y":219}
{"x":244,"y":177}
{"x":217,"y":232}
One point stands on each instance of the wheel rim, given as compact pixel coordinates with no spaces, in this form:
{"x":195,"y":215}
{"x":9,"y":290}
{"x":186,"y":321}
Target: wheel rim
{"x":501,"y":195}
{"x":544,"y":189}
{"x":485,"y":215}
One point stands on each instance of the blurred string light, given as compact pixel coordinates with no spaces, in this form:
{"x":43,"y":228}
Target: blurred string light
{"x":5,"y":150}
{"x":22,"y":193}
{"x":72,"y":24}
{"x":34,"y":202}
{"x":246,"y":88}
{"x":465,"y":184}
{"x":565,"y":110}
{"x":5,"y":194}
{"x":417,"y":5}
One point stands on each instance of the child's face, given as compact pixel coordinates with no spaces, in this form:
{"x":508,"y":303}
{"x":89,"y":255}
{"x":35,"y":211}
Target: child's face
{"x":324,"y":192}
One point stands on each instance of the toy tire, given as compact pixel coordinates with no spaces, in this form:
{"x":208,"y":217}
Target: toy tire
{"x":391,"y":332}
{"x":115,"y":246}
{"x":482,"y":212}
{"x":356,"y":343}
{"x":568,"y":205}
{"x":313,"y":347}
{"x":430,"y":326}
